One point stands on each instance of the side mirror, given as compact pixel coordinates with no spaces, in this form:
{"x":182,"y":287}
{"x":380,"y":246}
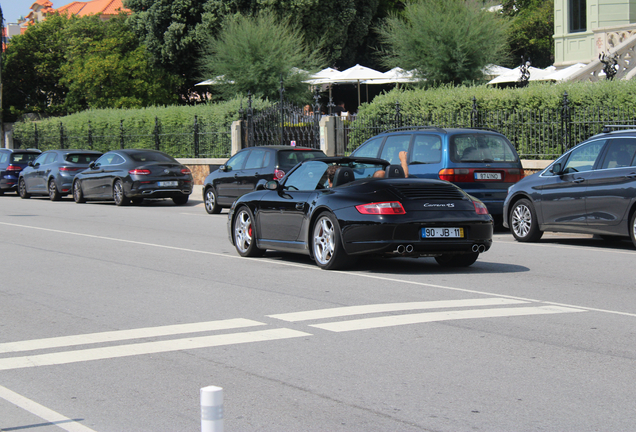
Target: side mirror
{"x":272,"y":185}
{"x":225,"y":168}
{"x":260,"y":185}
{"x":557,"y":169}
{"x":91,"y":165}
{"x":30,"y":163}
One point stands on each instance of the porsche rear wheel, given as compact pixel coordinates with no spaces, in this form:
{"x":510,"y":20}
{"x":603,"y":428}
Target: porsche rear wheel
{"x":245,"y":234}
{"x":457,"y":260}
{"x":326,"y":243}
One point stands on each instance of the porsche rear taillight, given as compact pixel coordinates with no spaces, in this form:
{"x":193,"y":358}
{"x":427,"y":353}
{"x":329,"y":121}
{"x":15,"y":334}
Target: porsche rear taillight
{"x":480,"y":208}
{"x":138,"y":171}
{"x":381,"y":208}
{"x":278,"y":174}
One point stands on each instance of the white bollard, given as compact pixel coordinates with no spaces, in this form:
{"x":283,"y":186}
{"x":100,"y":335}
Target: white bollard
{"x":211,"y":409}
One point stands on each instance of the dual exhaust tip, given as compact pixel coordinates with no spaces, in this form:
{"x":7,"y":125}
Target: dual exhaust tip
{"x":479,"y":248}
{"x":409,"y":248}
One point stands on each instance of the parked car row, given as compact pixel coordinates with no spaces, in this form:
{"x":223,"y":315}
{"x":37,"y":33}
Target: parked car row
{"x":123,"y":176}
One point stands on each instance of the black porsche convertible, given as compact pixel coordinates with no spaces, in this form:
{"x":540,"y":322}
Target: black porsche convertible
{"x":357,"y":213}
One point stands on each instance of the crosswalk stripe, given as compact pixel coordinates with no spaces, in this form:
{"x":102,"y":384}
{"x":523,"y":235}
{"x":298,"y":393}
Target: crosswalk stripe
{"x":147,"y":348}
{"x":121,"y":335}
{"x":396,"y":320}
{"x":392,"y":307}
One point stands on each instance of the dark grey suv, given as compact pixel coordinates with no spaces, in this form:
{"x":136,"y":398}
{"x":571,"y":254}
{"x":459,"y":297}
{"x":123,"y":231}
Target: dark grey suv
{"x":590,"y":189}
{"x":53,"y":171}
{"x":243,"y":170}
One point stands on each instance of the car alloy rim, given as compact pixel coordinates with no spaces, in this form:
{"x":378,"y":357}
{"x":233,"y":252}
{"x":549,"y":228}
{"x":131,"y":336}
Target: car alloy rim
{"x":243,"y":231}
{"x":76,"y":190}
{"x":52,"y":189}
{"x":22,"y":187}
{"x":119,"y":192}
{"x":209,"y":200}
{"x":324,"y":240}
{"x":521,"y":220}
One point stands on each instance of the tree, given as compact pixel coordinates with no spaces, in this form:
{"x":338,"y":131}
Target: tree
{"x":253,"y":52}
{"x":446,"y":41}
{"x":531,"y":30}
{"x":106,"y":67}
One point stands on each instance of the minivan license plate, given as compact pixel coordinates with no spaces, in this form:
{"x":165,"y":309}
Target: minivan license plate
{"x":487,"y":176}
{"x":442,"y":232}
{"x":168,"y":183}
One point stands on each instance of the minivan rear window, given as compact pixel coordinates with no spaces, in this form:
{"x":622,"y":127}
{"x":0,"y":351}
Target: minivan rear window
{"x":287,"y":159}
{"x":481,"y":148}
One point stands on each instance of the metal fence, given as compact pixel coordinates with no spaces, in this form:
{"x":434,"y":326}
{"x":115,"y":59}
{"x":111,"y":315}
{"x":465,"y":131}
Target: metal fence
{"x":536,"y":134}
{"x":188,"y":141}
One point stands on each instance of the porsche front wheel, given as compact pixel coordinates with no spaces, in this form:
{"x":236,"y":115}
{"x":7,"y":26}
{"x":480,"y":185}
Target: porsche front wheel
{"x":245,"y":234}
{"x":326,"y":243}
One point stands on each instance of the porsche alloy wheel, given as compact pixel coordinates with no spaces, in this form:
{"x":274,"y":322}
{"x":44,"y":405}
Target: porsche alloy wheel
{"x":523,"y":222}
{"x":245,"y":234}
{"x":326,"y":244}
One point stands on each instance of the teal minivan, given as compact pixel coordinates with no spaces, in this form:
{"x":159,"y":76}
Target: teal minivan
{"x":482,"y":162}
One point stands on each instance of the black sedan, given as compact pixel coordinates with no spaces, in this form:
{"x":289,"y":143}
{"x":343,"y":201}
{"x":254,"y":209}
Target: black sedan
{"x":590,"y":189}
{"x":53,"y":171}
{"x":357,"y":214}
{"x":133,"y":175}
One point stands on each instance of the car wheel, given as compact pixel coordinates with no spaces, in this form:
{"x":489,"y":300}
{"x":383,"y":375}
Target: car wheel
{"x":523,"y":222}
{"x":211,"y":205}
{"x":326,"y":243}
{"x":22,"y":190}
{"x":118,"y":194}
{"x":54,"y":194}
{"x":245,"y":234}
{"x":78,"y":195}
{"x":457,"y":260}
{"x":632,"y":228}
{"x":180,"y":200}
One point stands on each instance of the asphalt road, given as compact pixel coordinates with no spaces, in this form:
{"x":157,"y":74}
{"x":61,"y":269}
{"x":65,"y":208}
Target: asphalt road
{"x":112,"y":319}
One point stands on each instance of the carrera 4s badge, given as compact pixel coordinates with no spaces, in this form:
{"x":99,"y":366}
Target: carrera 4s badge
{"x":449,"y":205}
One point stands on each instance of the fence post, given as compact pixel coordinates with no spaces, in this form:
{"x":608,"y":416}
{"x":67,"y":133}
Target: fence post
{"x":282,"y":112}
{"x":61,"y":135}
{"x":398,"y":115}
{"x":121,"y":134}
{"x":196,"y":137}
{"x":474,"y":115}
{"x":90,"y":136}
{"x":316,"y":118}
{"x":250,"y":125}
{"x":35,"y":127}
{"x":565,"y":121}
{"x":156,"y":133}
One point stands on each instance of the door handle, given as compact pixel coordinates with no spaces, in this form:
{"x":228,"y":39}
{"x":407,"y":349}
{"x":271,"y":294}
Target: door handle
{"x":300,"y":206}
{"x":578,"y":180}
{"x":631,"y":175}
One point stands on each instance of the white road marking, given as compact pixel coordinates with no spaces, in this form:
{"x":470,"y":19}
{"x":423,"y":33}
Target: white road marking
{"x":389,"y":307}
{"x":121,"y":335}
{"x":395,"y":320}
{"x":147,"y":348}
{"x":41,"y":411}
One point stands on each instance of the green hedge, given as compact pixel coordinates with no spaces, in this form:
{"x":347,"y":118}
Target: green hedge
{"x":104,"y":129}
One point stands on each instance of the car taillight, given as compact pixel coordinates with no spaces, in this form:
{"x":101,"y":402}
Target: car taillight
{"x":14,"y":168}
{"x":480,"y":208}
{"x":138,"y":171}
{"x":279,"y":174}
{"x":513,"y":175}
{"x":459,"y":175}
{"x":186,"y":171}
{"x":69,"y":169}
{"x":382,"y":208}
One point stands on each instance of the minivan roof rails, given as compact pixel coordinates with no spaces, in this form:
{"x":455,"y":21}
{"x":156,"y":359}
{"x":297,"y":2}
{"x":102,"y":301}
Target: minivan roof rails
{"x":437,"y":128}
